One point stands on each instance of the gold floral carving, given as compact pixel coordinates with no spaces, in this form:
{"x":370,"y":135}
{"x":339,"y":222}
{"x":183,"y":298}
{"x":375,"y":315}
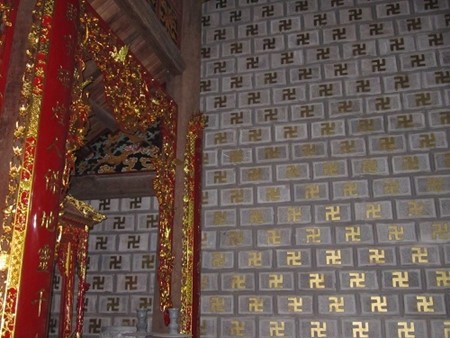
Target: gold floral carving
{"x":138,"y":101}
{"x":86,"y":210}
{"x":79,"y":115}
{"x":190,"y":207}
{"x":16,"y":210}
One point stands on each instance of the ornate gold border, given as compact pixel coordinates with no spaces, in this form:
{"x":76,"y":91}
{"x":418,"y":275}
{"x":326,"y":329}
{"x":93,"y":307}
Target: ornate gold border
{"x":138,"y":101}
{"x":191,"y":206}
{"x":16,"y":209}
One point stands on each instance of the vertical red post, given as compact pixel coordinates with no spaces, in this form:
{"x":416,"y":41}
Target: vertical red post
{"x":47,"y":95}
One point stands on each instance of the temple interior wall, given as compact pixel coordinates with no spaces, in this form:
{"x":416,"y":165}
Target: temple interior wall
{"x":326,"y":176}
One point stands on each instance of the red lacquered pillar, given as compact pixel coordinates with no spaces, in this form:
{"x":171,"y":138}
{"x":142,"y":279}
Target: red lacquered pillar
{"x":44,"y":112}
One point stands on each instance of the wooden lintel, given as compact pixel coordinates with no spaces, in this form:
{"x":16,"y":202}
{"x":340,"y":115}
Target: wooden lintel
{"x":103,"y":186}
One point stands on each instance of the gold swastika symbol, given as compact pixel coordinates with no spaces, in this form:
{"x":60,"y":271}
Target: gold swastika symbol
{"x":316,"y":280}
{"x":217,"y":304}
{"x":220,"y":217}
{"x":255,"y":135}
{"x":352,"y":233}
{"x":295,"y":304}
{"x":336,"y":304}
{"x":387,"y":143}
{"x":255,"y":174}
{"x":377,"y":256}
{"x":237,"y":196}
{"x":410,"y":163}
{"x":365,"y":125}
{"x":434,"y":184}
{"x":360,"y":329}
{"x":220,"y":138}
{"x":237,"y":328}
{"x":350,"y":189}
{"x":309,"y":149}
{"x":290,"y":132}
{"x":294,"y":258}
{"x":419,"y":255}
{"x":378,"y":304}
{"x":373,"y":210}
{"x":369,"y":166}
{"x":236,"y":156}
{"x":294,"y":214}
{"x":333,"y":213}
{"x":255,"y":304}
{"x":400,"y":279}
{"x":273,"y":236}
{"x":238,"y":282}
{"x":330,"y":168}
{"x":357,"y":279}
{"x":312,"y":191}
{"x":255,"y":258}
{"x":313,"y":235}
{"x":327,"y":128}
{"x":391,"y":186}
{"x":405,"y":121}
{"x":218,"y":259}
{"x":440,"y":231}
{"x":276,"y":329}
{"x":333,"y":257}
{"x":406,"y":330}
{"x":395,"y":232}
{"x":347,"y":146}
{"x":427,"y":140}
{"x":425,"y":303}
{"x":292,"y":171}
{"x":220,"y":177}
{"x":273,"y":194}
{"x":235,"y":237}
{"x":275,"y":281}
{"x":256,"y":216}
{"x":271,"y":153}
{"x":415,"y":208}
{"x":443,"y":278}
{"x":318,"y":329}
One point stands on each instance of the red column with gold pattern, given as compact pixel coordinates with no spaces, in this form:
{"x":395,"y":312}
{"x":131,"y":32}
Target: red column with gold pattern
{"x":44,"y":114}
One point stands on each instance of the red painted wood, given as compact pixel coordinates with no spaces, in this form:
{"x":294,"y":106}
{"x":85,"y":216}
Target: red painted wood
{"x":35,"y":286}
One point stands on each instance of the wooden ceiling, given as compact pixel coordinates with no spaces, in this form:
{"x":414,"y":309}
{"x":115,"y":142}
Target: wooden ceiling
{"x":137,"y":25}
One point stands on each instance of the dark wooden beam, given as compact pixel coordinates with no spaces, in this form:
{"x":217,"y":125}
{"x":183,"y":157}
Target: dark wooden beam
{"x":89,"y":187}
{"x":141,"y":15}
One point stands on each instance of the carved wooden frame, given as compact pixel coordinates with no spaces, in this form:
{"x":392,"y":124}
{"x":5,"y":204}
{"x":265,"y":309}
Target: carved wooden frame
{"x":138,"y":101}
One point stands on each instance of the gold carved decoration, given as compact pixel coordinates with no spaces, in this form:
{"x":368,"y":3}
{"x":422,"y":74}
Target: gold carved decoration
{"x":191,"y":205}
{"x":22,"y":164}
{"x":138,"y":101}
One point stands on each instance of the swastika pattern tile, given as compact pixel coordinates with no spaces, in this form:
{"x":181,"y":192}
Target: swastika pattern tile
{"x":121,"y":265}
{"x":326,"y":181}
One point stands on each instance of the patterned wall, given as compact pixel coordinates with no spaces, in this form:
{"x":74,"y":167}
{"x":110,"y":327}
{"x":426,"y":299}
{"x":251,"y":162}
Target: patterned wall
{"x":122,"y":265}
{"x":327,"y":172}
